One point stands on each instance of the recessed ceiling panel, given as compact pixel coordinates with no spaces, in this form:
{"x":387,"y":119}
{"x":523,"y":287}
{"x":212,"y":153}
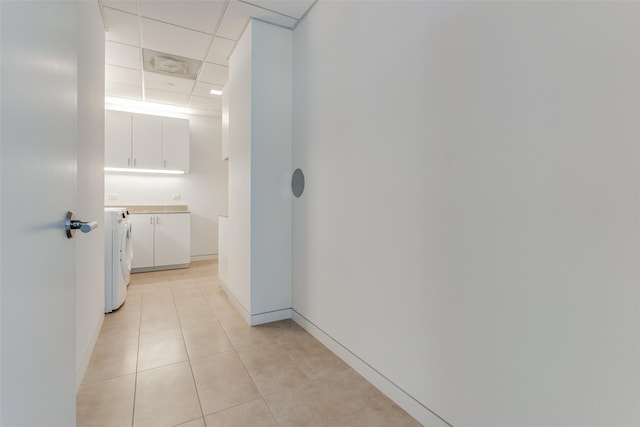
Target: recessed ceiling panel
{"x":163,"y":97}
{"x":122,"y":75}
{"x":214,"y":73}
{"x":211,"y":104}
{"x":293,"y":8}
{"x":121,"y":27}
{"x":204,"y":89}
{"x":172,"y":39}
{"x":130,"y":6}
{"x":118,"y":90}
{"x":171,"y":65}
{"x":167,"y":83}
{"x":122,"y":55}
{"x":221,"y":50}
{"x":238,"y":14}
{"x":197,"y":15}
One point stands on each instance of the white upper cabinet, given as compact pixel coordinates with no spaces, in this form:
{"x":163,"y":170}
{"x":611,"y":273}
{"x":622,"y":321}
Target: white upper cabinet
{"x":146,"y":141}
{"x":117,"y":139}
{"x":175,"y":144}
{"x":141,"y":141}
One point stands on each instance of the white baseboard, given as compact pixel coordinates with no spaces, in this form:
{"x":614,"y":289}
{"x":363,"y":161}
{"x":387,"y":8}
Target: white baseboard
{"x":234,"y":302}
{"x":204,"y":257}
{"x":272,"y":316}
{"x":391,"y":390}
{"x":84,"y":364}
{"x":256,"y":319}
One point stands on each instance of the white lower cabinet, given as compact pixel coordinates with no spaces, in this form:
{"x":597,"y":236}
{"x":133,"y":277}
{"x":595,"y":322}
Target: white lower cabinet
{"x":160,"y":240}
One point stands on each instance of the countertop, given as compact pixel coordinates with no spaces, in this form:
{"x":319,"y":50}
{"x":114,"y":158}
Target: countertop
{"x":151,"y":209}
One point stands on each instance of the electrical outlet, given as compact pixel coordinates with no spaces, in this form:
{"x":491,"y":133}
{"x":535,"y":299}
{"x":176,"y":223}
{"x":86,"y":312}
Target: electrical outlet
{"x":176,"y":196}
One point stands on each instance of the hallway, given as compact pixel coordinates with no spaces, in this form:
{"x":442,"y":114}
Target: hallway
{"x":178,"y":354}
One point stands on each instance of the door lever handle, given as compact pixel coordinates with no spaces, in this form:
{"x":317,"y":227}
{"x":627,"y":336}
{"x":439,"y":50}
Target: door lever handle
{"x":71,"y":225}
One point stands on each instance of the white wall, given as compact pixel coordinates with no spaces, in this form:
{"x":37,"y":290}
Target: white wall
{"x":90,"y":183}
{"x":203,"y":189}
{"x":470,"y":226}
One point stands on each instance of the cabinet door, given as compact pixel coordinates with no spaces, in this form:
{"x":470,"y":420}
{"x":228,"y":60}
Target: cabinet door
{"x":146,"y":141}
{"x":117,"y":139}
{"x":142,"y":237}
{"x":175,"y":144}
{"x":173,"y":239}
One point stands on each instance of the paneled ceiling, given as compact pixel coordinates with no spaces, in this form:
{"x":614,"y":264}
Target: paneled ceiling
{"x":204,"y":30}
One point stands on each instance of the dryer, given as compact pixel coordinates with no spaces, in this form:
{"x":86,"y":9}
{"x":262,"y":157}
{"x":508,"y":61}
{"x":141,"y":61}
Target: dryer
{"x":118,"y":257}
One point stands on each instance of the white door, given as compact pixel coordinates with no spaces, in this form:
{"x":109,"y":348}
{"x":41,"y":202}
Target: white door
{"x":37,"y":175}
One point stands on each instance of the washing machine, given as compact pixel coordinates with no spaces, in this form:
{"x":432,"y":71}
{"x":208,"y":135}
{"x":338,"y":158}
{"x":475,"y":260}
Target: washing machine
{"x":118,"y":257}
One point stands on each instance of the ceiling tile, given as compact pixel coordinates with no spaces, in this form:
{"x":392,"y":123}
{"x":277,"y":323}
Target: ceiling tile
{"x":238,"y":14}
{"x":212,"y":104}
{"x":221,"y":50}
{"x":214,"y":73}
{"x":172,"y":39}
{"x":163,"y":97}
{"x":199,"y":15}
{"x":123,"y":91}
{"x":121,"y":27}
{"x":122,"y":75}
{"x":122,"y":55}
{"x":293,"y":8}
{"x":167,"y":83}
{"x":203,"y":89}
{"x":130,"y":6}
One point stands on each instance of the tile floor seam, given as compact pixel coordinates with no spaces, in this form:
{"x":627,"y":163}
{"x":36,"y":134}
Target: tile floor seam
{"x":189,"y":421}
{"x":209,"y":355}
{"x":271,"y":411}
{"x":232,"y":407}
{"x":135,"y":382}
{"x":101,"y":380}
{"x":184,"y":342}
{"x":262,"y":396}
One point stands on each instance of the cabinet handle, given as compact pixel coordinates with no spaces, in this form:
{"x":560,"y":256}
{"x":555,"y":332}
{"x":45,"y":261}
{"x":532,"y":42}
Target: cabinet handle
{"x":151,"y":220}
{"x":134,"y":162}
{"x":164,"y":164}
{"x":157,"y":219}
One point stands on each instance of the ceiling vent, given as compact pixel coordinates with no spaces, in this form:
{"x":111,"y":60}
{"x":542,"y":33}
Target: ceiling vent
{"x":170,"y":65}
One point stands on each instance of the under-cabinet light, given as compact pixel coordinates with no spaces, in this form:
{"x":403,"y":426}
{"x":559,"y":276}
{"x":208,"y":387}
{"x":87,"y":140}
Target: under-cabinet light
{"x":142,"y":106}
{"x":165,"y":171}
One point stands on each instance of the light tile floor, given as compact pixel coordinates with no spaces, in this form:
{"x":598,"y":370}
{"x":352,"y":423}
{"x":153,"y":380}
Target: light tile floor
{"x":178,"y":354}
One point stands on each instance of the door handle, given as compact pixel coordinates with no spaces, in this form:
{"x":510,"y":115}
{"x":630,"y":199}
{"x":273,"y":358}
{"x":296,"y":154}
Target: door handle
{"x":70,"y":225}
